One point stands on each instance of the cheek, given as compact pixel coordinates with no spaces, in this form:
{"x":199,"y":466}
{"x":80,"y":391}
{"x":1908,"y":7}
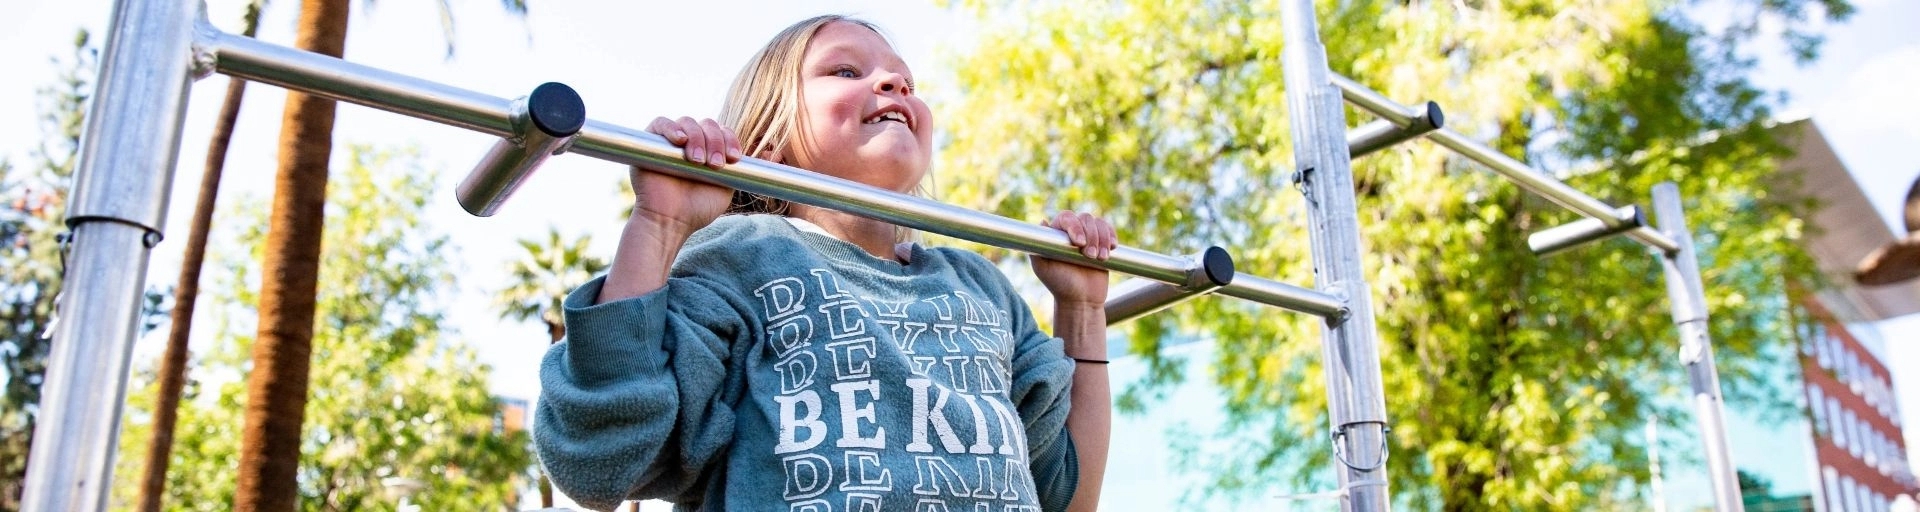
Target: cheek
{"x":835,"y":108}
{"x":927,"y":122}
{"x":827,"y":109}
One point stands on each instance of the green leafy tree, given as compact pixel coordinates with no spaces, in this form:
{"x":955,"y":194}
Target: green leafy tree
{"x":1514,"y":382}
{"x":393,"y":397}
{"x":32,"y":210}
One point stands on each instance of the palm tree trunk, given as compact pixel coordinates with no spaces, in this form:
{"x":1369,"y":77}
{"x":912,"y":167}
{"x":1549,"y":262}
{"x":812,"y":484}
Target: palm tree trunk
{"x":282,"y":351}
{"x":173,"y":364}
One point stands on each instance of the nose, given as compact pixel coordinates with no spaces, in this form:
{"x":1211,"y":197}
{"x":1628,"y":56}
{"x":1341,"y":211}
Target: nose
{"x":892,"y":82}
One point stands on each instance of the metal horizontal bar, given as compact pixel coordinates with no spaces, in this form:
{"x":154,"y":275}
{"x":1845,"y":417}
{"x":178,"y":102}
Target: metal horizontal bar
{"x":1139,"y":297}
{"x":1573,"y":234}
{"x":1380,"y":105}
{"x":1382,"y":133}
{"x":1286,"y":296}
{"x":1526,"y":177}
{"x":635,"y":147}
{"x":321,"y":75}
{"x":384,"y":90}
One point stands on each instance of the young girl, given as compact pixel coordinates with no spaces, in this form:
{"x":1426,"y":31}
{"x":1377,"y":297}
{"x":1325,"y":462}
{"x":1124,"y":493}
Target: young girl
{"x":801,"y":359}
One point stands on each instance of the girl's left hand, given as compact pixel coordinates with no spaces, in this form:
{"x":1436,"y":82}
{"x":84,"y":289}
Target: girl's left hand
{"x":1072,"y":283}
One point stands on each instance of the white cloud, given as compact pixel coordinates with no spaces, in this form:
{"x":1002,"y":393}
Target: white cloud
{"x":1869,"y":120}
{"x":1879,"y":94}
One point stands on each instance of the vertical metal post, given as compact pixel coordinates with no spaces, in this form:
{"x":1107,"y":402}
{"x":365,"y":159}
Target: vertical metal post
{"x":119,"y":203}
{"x":1696,"y":348}
{"x":1355,"y":403}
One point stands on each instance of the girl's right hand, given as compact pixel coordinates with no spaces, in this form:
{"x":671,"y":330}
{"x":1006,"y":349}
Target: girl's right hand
{"x":682,"y":204}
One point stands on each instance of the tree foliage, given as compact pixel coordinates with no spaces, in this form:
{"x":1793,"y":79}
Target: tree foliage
{"x":393,"y":394}
{"x":1513,"y":381}
{"x":33,"y":205}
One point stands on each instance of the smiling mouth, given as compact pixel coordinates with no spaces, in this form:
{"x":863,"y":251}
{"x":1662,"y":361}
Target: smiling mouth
{"x":889,"y":116}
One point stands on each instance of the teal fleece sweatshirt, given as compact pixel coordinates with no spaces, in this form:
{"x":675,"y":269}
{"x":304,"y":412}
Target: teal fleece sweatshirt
{"x":787,"y":370}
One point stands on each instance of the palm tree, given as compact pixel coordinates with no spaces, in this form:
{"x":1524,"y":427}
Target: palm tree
{"x":282,"y":350}
{"x":543,"y":276}
{"x":173,"y":364}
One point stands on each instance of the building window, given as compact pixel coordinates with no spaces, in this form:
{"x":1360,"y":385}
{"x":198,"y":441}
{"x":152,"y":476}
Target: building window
{"x":1847,"y":362}
{"x":1839,"y":418}
{"x":1853,"y":373}
{"x":1869,"y":390}
{"x":1887,"y":455}
{"x":1809,"y":343}
{"x":1817,"y":403}
{"x":1831,"y":491}
{"x":1849,"y":493}
{"x":1870,"y":452}
{"x":1827,"y":355}
{"x":1853,"y":434}
{"x":1886,"y":397}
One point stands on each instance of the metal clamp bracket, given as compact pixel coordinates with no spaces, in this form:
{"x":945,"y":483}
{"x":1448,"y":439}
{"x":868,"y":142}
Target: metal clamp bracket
{"x":1340,"y":433}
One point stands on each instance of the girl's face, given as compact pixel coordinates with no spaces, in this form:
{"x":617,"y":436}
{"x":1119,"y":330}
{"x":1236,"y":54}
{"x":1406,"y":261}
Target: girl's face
{"x":862,"y":121}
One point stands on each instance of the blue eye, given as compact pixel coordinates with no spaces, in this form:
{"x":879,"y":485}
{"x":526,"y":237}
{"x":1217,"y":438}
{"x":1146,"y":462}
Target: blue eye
{"x":846,"y":73}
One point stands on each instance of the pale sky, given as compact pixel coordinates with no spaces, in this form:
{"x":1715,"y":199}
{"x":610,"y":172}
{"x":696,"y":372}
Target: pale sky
{"x":634,"y":60}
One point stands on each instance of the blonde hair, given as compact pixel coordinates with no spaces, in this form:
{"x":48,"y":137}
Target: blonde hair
{"x":764,"y":107}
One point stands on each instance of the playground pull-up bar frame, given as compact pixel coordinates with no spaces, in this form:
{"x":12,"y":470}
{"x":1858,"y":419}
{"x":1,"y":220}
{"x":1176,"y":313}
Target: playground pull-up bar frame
{"x":155,"y":48}
{"x":1671,"y":242}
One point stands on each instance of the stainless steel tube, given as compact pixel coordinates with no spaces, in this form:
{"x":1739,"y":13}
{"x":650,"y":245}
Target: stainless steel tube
{"x":1285,"y":296}
{"x":1139,"y":297}
{"x":119,"y":206}
{"x":1366,"y":98}
{"x":345,"y":81}
{"x":1383,"y":133}
{"x":1573,"y":234}
{"x":321,"y":75}
{"x":544,"y":124}
{"x":1689,"y":302}
{"x":1356,"y":403}
{"x":1526,"y":177}
{"x":1545,"y":186}
{"x":635,"y":147}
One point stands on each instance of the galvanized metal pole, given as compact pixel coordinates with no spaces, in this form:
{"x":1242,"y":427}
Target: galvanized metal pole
{"x":1696,"y":348}
{"x":119,"y":205}
{"x":1355,"y":403}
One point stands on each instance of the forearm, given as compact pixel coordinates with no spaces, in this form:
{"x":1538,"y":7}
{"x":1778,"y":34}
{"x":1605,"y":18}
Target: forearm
{"x":645,"y":255}
{"x":1089,"y":423}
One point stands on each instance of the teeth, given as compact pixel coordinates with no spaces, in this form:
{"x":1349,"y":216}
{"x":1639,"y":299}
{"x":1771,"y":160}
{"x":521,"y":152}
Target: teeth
{"x":889,"y":116}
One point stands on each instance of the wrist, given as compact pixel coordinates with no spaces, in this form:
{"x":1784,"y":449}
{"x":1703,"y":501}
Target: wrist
{"x":662,"y":226}
{"x":1079,"y":305}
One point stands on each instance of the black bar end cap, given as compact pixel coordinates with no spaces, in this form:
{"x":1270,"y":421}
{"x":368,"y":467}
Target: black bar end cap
{"x":556,"y":109}
{"x":1435,"y":116}
{"x":1218,"y":265}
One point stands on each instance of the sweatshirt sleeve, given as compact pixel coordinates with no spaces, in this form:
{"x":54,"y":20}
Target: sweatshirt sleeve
{"x":1042,"y":383}
{"x":630,"y":405}
{"x":1042,"y":386}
